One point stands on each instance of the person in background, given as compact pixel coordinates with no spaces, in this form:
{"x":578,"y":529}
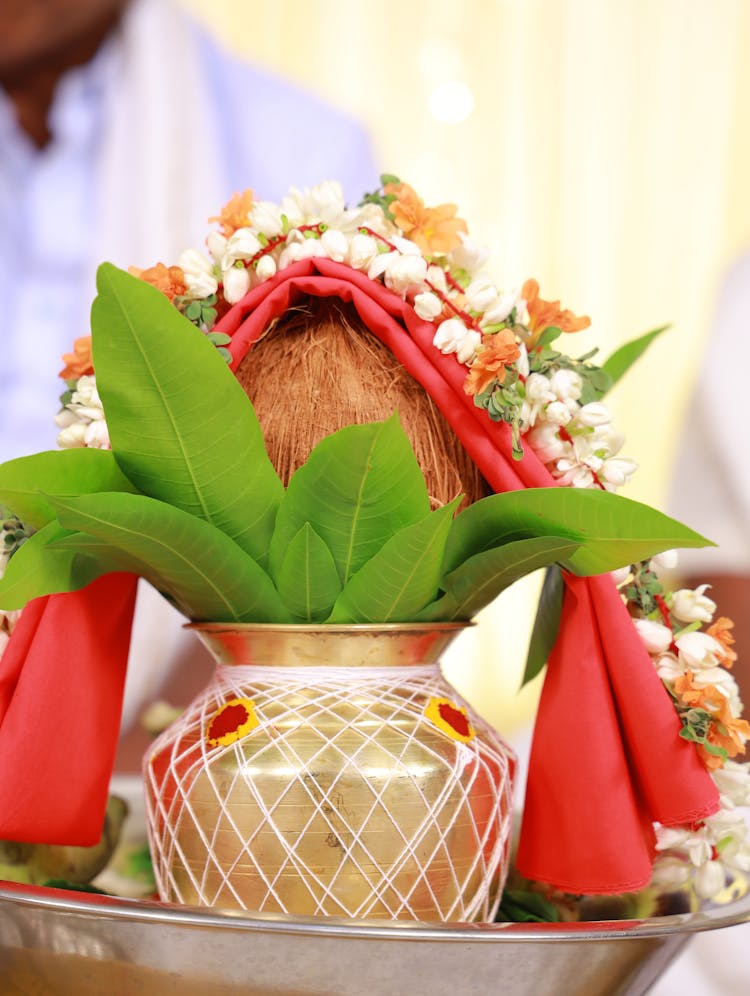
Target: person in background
{"x":123,"y":128}
{"x":711,"y":483}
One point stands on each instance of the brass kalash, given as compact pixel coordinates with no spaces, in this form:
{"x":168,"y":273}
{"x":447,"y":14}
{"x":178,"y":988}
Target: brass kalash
{"x":365,"y":788}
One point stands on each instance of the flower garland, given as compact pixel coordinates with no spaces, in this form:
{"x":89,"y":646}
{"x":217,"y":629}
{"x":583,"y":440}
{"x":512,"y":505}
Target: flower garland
{"x":550,"y":401}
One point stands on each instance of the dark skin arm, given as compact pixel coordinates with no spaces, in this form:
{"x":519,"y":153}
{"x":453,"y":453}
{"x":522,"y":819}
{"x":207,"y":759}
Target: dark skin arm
{"x":40,"y":40}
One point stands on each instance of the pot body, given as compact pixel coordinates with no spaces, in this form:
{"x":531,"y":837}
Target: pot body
{"x":331,"y":771}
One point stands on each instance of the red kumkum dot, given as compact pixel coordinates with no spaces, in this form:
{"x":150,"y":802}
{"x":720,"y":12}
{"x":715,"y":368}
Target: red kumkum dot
{"x":229,"y":720}
{"x":455,"y":719}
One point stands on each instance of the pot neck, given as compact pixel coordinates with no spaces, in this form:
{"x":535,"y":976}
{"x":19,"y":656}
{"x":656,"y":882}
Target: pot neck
{"x":393,"y":645}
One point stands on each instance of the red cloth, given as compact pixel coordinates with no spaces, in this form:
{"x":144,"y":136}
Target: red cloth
{"x":61,"y":683}
{"x":606,"y":758}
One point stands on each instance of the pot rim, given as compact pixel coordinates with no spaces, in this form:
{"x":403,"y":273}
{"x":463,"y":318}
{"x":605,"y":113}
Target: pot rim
{"x":412,"y":627}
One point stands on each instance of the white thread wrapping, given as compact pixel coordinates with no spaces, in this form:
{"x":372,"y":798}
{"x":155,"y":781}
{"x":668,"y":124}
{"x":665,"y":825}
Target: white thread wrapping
{"x":186,"y":780}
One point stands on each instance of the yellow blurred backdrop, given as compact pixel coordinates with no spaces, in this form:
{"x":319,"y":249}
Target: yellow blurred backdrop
{"x":602,"y":147}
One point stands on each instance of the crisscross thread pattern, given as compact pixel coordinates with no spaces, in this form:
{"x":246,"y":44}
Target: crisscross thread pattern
{"x":345,"y":800}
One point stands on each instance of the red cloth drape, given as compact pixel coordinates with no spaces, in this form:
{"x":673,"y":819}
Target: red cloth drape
{"x":606,"y":760}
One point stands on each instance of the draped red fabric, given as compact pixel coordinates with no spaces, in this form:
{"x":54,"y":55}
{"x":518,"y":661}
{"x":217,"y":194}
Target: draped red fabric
{"x":606,"y":760}
{"x":61,"y":684}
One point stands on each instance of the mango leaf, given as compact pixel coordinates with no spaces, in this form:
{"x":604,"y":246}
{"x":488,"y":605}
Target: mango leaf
{"x":609,"y":530}
{"x":194,"y":441}
{"x":25,"y":481}
{"x":308,"y":580}
{"x":546,"y":623}
{"x":358,"y":487}
{"x":37,"y":569}
{"x":402,"y":577}
{"x":481,"y":579}
{"x":204,"y":569}
{"x":623,"y":358}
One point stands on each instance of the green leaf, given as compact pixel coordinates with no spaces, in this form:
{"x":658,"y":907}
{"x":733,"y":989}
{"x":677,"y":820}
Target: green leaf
{"x":57,"y":472}
{"x":610,"y":530}
{"x":358,"y":487}
{"x":546,"y":623}
{"x":481,"y":579}
{"x":623,"y":358}
{"x":38,"y":568}
{"x":208,"y":575}
{"x":402,"y":577}
{"x":182,"y":428}
{"x":308,"y":580}
{"x":524,"y":906}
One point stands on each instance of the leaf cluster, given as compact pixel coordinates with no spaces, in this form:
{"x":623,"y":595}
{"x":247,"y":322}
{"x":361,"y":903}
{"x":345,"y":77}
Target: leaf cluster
{"x":188,"y":499}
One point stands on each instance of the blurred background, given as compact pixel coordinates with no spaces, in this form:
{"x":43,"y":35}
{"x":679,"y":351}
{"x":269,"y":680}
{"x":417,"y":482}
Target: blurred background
{"x":602,"y":148}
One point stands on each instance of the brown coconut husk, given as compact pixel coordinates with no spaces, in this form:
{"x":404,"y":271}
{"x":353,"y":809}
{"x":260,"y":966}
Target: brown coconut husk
{"x":319,"y":368}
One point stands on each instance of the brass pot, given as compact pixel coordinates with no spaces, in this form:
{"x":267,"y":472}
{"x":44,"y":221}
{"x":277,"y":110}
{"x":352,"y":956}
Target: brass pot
{"x":331,"y":771}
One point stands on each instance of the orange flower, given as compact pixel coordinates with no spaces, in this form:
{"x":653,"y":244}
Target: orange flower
{"x":720,"y":631}
{"x":170,"y":280}
{"x":546,"y":314}
{"x":79,"y":362}
{"x":726,"y":731}
{"x":708,"y":697}
{"x":496,"y":352}
{"x":235,"y":213}
{"x":435,"y":230}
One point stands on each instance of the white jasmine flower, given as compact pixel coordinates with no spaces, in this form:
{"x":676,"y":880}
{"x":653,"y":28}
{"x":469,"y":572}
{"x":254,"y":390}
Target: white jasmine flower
{"x":217,"y":246}
{"x":670,"y":873}
{"x":593,"y":415}
{"x":236,"y":283}
{"x":241,"y":245}
{"x":617,"y":471}
{"x":733,"y":782}
{"x":538,"y":389}
{"x":500,"y":308}
{"x":693,"y":606}
{"x":467,"y":348}
{"x":481,"y":294}
{"x":72,"y":436}
{"x":96,"y":436}
{"x":669,"y":668}
{"x":405,"y":272}
{"x":363,"y":249}
{"x":547,"y":444}
{"x":369,"y":216}
{"x":265,"y":217}
{"x":265,"y":267}
{"x":453,"y":336}
{"x":380,"y":263}
{"x":405,"y":246}
{"x":200,"y":278}
{"x":64,"y":418}
{"x":566,"y":385}
{"x":324,"y":202}
{"x":666,"y":561}
{"x":428,"y":306}
{"x":558,"y":413}
{"x":468,"y":256}
{"x":335,"y":244}
{"x":698,"y":650}
{"x":709,"y":879}
{"x":85,"y":399}
{"x":436,"y":276}
{"x":449,"y":336}
{"x":656,"y":637}
{"x":290,"y":254}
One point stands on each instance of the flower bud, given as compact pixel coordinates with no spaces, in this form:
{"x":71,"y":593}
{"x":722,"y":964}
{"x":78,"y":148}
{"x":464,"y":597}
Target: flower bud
{"x":698,"y":650}
{"x":428,"y":306}
{"x":500,"y":308}
{"x":538,"y":389}
{"x":236,"y":284}
{"x":480,"y":294}
{"x":72,"y":436}
{"x":665,"y":561}
{"x":656,"y":637}
{"x":467,"y":348}
{"x":242,"y":244}
{"x":97,"y":435}
{"x":709,"y":879}
{"x":558,"y":413}
{"x":468,"y":256}
{"x":693,"y":606}
{"x":436,"y":276}
{"x":217,"y":245}
{"x":594,"y":414}
{"x":405,"y":272}
{"x":335,"y":244}
{"x":363,"y":249}
{"x":265,"y":217}
{"x":200,"y":278}
{"x":566,"y":384}
{"x":449,"y":335}
{"x":265,"y":267}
